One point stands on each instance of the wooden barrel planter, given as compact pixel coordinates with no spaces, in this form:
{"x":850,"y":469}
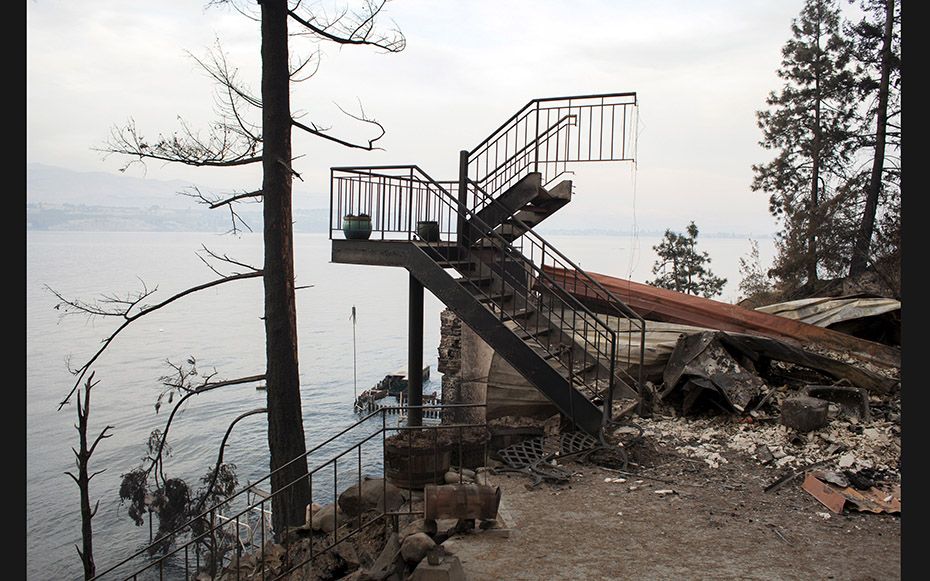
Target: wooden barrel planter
{"x":462,"y":501}
{"x":414,"y":465}
{"x":473,"y":445}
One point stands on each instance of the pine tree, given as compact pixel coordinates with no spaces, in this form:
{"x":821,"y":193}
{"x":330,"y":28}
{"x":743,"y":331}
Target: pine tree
{"x":755,"y":286}
{"x":877,"y":48}
{"x":681,"y":268}
{"x":808,"y":123}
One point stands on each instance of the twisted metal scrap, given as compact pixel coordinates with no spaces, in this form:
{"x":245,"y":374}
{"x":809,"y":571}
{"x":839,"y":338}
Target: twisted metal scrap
{"x":535,"y":457}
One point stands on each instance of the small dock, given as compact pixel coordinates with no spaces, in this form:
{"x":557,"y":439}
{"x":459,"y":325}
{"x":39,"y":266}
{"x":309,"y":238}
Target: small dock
{"x":393,"y":384}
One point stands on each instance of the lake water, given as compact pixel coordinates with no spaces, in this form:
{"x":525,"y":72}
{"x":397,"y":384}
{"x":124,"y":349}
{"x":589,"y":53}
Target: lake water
{"x":222,"y":328}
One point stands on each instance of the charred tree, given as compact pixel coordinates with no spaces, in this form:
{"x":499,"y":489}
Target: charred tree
{"x":236,"y":141}
{"x":82,"y":459}
{"x":877,"y":49}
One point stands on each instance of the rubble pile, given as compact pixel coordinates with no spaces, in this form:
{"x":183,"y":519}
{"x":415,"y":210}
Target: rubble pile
{"x":850,"y":443}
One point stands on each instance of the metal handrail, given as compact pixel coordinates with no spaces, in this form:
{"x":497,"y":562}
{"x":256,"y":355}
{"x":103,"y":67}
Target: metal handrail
{"x":211,"y":513}
{"x":517,"y":128}
{"x":545,"y":100}
{"x":612,"y":300}
{"x":566,"y":303}
{"x":628,"y":312}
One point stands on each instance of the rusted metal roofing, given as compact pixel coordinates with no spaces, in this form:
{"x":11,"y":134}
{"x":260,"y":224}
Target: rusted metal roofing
{"x":666,"y":305}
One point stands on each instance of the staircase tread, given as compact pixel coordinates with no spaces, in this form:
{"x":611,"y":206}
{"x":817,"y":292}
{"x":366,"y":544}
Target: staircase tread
{"x":544,"y":331}
{"x":493,"y":297}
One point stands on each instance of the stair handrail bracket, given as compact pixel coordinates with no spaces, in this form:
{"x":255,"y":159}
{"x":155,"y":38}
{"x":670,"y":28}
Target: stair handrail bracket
{"x":548,"y":134}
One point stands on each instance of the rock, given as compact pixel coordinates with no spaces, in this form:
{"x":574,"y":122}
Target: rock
{"x":374,"y":491}
{"x":348,"y":554}
{"x":384,"y":564}
{"x":452,"y":477}
{"x":449,"y":568}
{"x":312,"y":509}
{"x":415,"y":547}
{"x":765,"y":455}
{"x":450,"y":545}
{"x":418,"y":526}
{"x":325,"y":518}
{"x":804,"y":413}
{"x":846,"y":460}
{"x":446,"y":526}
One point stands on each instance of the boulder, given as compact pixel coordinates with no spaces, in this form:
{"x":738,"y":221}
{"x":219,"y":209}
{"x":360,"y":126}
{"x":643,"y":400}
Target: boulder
{"x":375,"y":494}
{"x":419,"y":526}
{"x":325,"y":519}
{"x":449,"y":568}
{"x":312,"y":509}
{"x":415,"y":547}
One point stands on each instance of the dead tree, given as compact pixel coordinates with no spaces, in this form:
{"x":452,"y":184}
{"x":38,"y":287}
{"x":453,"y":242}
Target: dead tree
{"x":82,"y":459}
{"x":235,"y":140}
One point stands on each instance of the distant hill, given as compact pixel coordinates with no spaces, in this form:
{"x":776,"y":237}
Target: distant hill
{"x":48,"y":184}
{"x":62,"y":199}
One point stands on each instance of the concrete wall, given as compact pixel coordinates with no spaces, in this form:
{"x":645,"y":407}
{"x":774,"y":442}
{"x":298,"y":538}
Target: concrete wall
{"x":474,"y":373}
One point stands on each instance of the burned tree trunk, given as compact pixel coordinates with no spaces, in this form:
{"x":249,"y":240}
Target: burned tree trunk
{"x":83,"y":478}
{"x":285,"y":420}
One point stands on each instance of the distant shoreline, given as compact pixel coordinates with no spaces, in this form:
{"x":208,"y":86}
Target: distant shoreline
{"x":85,"y":218}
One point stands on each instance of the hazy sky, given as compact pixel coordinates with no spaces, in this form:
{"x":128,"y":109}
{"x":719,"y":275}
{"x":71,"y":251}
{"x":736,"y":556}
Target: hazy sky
{"x":701,"y":70}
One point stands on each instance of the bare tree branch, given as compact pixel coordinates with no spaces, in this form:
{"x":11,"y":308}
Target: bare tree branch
{"x":129,"y":317}
{"x":200,"y":389}
{"x":214,"y":201}
{"x":225,"y":146}
{"x":219,"y":459}
{"x":218,"y":201}
{"x":320,"y":132}
{"x":314,"y":58}
{"x":229,"y":260}
{"x":353,"y":28}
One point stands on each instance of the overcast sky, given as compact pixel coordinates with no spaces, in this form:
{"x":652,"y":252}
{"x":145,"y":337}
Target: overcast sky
{"x":701,"y":69}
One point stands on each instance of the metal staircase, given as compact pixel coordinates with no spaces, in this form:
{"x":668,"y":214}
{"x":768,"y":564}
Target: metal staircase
{"x":488,"y":264}
{"x":505,"y":281}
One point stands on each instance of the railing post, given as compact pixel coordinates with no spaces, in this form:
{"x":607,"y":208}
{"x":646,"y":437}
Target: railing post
{"x":536,"y":149}
{"x":410,"y":225}
{"x":463,"y":197}
{"x":332,"y":183}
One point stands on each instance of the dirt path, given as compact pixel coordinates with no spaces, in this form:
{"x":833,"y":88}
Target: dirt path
{"x":718,"y":524}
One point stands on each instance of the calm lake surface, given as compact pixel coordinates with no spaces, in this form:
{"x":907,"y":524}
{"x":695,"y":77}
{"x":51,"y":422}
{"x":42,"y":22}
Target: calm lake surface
{"x":222,"y":329}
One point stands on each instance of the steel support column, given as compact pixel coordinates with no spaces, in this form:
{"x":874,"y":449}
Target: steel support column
{"x":415,"y":352}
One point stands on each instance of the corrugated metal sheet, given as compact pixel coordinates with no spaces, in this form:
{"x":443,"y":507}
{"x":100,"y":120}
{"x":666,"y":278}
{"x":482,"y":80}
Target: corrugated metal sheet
{"x":665,"y":305}
{"x":661,"y":339}
{"x":824,"y":312}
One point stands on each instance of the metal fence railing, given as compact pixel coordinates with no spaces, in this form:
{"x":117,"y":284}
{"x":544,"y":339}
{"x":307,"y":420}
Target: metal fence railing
{"x":217,"y":540}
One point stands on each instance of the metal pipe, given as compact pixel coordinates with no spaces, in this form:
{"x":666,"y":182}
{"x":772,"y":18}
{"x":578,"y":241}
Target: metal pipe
{"x":415,"y":352}
{"x":463,"y":197}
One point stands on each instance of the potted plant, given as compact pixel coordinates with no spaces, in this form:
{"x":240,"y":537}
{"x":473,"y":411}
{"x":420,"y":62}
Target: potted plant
{"x":428,"y":230}
{"x":356,"y":227}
